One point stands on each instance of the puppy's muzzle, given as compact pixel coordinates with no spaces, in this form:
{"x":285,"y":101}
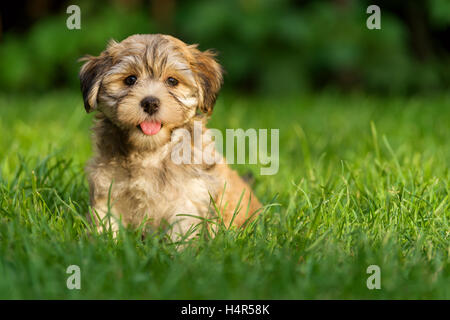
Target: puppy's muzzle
{"x":150,"y":104}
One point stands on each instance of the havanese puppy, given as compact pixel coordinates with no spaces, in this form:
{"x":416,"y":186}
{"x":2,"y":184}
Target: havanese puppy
{"x":145,"y":89}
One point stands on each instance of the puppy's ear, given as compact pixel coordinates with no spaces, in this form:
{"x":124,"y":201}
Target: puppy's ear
{"x":209,"y":77}
{"x":91,"y":75}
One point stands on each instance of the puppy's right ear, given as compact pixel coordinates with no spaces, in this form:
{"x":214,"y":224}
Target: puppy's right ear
{"x":91,"y":75}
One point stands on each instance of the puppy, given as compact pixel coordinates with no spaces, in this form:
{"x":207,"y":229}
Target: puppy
{"x":145,"y":89}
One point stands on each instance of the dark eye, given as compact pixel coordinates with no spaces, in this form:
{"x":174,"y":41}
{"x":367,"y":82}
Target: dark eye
{"x":172,"y":81}
{"x":130,"y":80}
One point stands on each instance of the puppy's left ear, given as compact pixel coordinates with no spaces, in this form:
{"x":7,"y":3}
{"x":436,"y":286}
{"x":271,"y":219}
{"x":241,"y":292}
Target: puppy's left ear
{"x":209,"y":77}
{"x":91,"y":75}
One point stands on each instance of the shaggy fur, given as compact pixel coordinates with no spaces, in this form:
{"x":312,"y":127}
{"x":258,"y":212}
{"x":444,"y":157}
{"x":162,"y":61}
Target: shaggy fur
{"x":134,"y":170}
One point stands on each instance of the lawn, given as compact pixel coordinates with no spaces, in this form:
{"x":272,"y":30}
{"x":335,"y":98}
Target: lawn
{"x":362,"y":181}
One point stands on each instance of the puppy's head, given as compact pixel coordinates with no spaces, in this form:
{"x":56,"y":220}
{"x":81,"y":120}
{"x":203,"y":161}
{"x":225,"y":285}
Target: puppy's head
{"x":148,"y":85}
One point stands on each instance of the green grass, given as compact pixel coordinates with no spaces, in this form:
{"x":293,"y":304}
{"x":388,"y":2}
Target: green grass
{"x":362,"y":181}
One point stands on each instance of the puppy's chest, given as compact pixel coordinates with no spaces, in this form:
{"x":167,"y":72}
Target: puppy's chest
{"x":161,"y":187}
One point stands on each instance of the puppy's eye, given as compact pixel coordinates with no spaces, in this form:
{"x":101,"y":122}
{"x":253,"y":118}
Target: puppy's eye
{"x":172,"y":81}
{"x":130,"y":80}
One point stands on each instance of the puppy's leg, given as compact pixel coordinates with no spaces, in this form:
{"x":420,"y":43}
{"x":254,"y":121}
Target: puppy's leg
{"x":187,"y":221}
{"x":183,"y":229}
{"x":104,"y":217}
{"x":235,"y":188}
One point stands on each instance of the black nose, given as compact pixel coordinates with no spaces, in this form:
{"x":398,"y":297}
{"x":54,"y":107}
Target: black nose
{"x":150,"y":104}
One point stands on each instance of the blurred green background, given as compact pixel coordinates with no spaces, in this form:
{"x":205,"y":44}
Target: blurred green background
{"x":266,"y":46}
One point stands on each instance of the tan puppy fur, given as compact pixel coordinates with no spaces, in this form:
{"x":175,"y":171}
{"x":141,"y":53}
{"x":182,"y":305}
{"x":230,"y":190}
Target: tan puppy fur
{"x":132,"y":172}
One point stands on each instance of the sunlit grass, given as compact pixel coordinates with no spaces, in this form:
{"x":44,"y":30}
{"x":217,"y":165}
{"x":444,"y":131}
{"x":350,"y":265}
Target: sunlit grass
{"x":362,"y":181}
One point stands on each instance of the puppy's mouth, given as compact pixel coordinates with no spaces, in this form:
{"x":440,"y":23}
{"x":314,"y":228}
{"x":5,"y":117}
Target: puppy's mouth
{"x":150,"y":128}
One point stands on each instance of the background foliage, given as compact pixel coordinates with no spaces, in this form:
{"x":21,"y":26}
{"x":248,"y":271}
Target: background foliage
{"x":266,"y":46}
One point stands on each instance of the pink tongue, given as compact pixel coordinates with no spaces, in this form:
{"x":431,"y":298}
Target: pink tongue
{"x":150,"y":128}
